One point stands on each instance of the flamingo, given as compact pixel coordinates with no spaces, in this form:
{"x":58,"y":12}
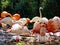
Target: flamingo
{"x":19,"y":27}
{"x":39,"y":22}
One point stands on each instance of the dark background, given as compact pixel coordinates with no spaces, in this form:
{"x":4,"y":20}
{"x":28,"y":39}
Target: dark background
{"x":30,"y":8}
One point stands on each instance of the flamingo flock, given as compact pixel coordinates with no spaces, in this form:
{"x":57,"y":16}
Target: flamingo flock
{"x":44,"y":30}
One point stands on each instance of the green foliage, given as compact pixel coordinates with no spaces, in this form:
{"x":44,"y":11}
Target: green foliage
{"x":19,"y":43}
{"x":30,"y":8}
{"x":27,"y":8}
{"x":50,"y":8}
{"x":4,"y":4}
